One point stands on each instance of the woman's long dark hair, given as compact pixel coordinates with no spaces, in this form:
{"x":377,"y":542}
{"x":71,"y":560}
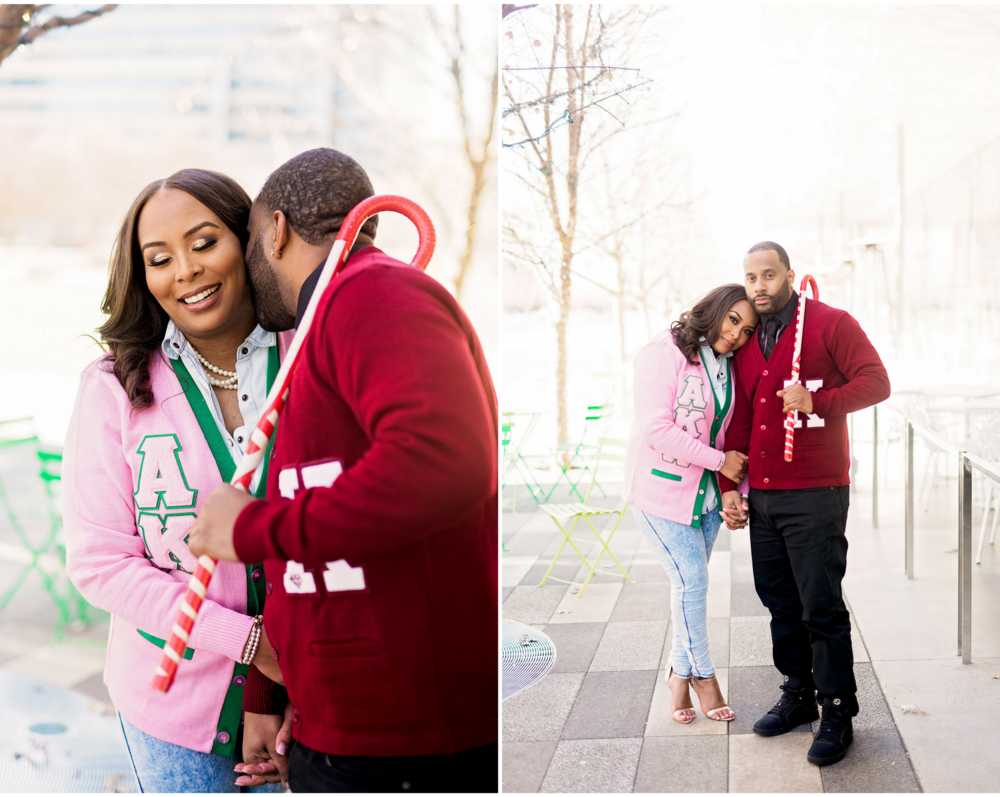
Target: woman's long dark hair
{"x":705,"y":319}
{"x":136,"y":322}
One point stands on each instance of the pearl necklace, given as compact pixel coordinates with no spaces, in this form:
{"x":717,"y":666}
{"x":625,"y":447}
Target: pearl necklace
{"x":229,"y":383}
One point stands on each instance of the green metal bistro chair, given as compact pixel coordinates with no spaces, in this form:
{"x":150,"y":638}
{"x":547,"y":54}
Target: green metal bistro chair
{"x":38,"y":528}
{"x":580,"y":455}
{"x":561,"y":514}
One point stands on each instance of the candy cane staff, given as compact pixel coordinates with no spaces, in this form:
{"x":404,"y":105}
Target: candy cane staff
{"x":173,"y":650}
{"x":797,"y":358}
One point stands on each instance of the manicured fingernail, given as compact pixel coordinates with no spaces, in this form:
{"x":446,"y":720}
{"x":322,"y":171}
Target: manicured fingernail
{"x":282,"y":748}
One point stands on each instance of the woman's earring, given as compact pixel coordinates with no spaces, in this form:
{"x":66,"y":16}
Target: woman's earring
{"x":272,"y":253}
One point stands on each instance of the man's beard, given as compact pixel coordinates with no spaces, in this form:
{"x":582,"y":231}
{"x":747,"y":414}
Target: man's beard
{"x":778,"y":301}
{"x":265,"y":291}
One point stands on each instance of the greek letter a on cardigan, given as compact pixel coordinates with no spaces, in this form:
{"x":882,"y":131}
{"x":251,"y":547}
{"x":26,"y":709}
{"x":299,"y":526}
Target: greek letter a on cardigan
{"x":689,"y":412}
{"x":162,"y":487}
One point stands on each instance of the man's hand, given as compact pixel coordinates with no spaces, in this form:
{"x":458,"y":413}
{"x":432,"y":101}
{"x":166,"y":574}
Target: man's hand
{"x":265,"y":749}
{"x":735,"y":509}
{"x":212,"y":532}
{"x":264,"y":659}
{"x":735,"y":467}
{"x":796,"y":398}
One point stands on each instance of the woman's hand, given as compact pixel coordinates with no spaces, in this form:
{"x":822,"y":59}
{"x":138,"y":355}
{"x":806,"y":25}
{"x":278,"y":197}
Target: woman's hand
{"x":265,"y":748}
{"x":735,"y":466}
{"x":264,"y":659}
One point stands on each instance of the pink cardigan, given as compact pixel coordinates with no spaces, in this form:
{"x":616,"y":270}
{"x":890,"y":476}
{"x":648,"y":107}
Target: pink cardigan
{"x":133,"y":483}
{"x":671,"y":455}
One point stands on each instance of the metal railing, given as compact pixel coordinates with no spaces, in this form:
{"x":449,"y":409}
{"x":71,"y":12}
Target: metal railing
{"x":966,"y":462}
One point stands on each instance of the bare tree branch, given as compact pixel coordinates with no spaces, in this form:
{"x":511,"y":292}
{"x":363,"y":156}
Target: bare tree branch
{"x":18,"y":25}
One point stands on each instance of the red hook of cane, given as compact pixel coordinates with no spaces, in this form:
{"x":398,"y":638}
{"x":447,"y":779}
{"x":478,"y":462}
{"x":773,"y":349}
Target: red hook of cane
{"x":797,"y":358}
{"x":173,"y":650}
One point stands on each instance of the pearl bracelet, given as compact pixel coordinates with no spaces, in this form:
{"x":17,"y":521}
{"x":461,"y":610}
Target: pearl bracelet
{"x":250,"y":649}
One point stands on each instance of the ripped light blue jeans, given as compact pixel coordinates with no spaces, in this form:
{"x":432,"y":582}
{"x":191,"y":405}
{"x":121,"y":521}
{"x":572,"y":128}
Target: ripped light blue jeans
{"x":684,"y":552}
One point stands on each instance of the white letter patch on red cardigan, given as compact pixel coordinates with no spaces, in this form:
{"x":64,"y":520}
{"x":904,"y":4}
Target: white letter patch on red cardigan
{"x":298,"y":580}
{"x":339,"y":576}
{"x":812,"y":385}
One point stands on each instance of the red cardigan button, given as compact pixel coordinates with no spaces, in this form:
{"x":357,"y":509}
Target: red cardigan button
{"x":766,"y":481}
{"x":765,"y":373}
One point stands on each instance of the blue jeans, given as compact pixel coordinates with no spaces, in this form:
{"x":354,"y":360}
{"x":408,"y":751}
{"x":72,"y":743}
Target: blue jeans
{"x":164,"y":767}
{"x":684,"y":552}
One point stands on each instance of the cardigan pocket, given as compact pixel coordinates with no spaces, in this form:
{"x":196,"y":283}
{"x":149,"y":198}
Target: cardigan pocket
{"x":811,"y":450}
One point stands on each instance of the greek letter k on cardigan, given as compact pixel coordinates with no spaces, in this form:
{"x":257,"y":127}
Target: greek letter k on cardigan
{"x":677,"y":435}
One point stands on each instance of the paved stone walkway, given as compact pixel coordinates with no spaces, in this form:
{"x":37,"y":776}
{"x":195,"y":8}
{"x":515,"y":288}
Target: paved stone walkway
{"x":600,"y":720}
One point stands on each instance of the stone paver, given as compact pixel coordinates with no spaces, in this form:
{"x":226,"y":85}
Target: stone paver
{"x":525,"y":764}
{"x":643,"y":602}
{"x":513,"y":569}
{"x":533,"y":604}
{"x":630,"y":646}
{"x":611,"y":705}
{"x":576,"y":644}
{"x":772,"y":765}
{"x":698,"y":764}
{"x":594,"y":606}
{"x":539,"y":713}
{"x":588,"y":766}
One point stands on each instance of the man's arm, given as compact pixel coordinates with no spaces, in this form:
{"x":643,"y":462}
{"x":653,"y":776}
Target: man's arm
{"x":857,"y":360}
{"x":401,"y":361}
{"x":738,"y":433}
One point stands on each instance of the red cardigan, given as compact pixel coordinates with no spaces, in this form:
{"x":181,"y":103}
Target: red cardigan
{"x":385,"y":620}
{"x":841,"y":367}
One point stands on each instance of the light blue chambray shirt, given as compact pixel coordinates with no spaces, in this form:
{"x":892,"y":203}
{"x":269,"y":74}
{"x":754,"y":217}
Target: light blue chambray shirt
{"x":717,"y":374}
{"x":251,"y":370}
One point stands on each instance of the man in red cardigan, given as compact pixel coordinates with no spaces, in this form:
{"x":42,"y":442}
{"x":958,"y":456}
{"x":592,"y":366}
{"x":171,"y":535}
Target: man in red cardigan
{"x":798,"y":509}
{"x":379,"y":533}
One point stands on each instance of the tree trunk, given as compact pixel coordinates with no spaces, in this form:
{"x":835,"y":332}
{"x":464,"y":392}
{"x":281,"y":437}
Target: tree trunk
{"x":478,"y":184}
{"x":562,"y":418}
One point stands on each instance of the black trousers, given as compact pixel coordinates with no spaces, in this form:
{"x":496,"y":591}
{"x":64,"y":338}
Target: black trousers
{"x":474,"y":771}
{"x":798,"y":545}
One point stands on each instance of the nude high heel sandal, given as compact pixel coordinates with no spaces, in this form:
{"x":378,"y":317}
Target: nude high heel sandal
{"x":711,"y":700}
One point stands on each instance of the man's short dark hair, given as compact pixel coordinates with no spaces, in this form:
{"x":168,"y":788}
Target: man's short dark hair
{"x":315,"y":191}
{"x":764,"y":246}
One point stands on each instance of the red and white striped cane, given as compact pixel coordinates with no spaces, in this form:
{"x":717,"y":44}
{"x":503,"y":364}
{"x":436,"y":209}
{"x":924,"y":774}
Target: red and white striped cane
{"x":174,"y":649}
{"x":797,"y":358}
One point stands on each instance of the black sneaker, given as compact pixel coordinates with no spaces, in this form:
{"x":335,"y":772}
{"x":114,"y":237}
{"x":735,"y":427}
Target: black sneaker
{"x":796,"y":706}
{"x":835,"y":734}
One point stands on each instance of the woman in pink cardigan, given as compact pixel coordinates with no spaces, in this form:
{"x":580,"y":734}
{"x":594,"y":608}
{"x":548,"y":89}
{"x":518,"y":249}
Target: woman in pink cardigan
{"x":683,"y":403}
{"x":160,"y":422}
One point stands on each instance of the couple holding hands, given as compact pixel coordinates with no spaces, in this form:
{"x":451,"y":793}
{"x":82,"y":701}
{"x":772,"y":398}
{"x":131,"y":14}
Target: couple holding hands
{"x":707,"y":447}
